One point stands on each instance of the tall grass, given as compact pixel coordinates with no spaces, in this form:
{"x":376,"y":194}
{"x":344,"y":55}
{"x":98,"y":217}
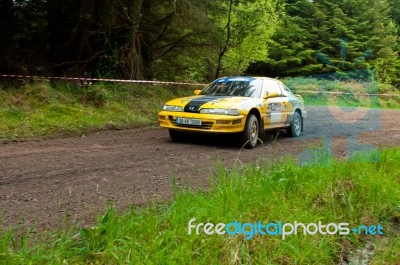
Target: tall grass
{"x":357,"y":193}
{"x":40,"y":108}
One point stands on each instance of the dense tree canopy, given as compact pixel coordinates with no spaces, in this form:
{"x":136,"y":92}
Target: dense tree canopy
{"x":324,"y":36}
{"x":199,"y":39}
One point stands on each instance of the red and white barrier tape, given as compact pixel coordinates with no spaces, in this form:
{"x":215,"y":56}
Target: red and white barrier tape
{"x":174,"y":83}
{"x":102,"y":79}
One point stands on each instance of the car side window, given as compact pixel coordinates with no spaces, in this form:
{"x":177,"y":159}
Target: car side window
{"x":273,"y":86}
{"x":285,"y":90}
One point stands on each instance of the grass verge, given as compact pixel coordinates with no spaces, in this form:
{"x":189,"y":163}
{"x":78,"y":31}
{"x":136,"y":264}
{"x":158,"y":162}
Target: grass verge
{"x":358,"y":193}
{"x":41,"y":109}
{"x":45,"y":109}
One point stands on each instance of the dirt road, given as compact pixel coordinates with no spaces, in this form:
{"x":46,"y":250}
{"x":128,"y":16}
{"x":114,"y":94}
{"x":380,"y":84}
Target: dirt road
{"x":42,"y":181}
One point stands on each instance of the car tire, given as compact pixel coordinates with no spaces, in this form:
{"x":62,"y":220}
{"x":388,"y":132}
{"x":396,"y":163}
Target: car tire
{"x":249,"y":137}
{"x":261,"y":132}
{"x":296,"y":125}
{"x":176,"y":136}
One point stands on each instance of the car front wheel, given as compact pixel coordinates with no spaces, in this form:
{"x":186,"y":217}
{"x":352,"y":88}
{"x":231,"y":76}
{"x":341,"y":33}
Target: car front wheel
{"x":295,"y":128}
{"x":249,"y":136}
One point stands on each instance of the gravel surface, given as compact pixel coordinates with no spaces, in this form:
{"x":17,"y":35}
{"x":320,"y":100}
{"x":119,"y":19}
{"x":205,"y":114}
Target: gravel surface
{"x":44,"y":180}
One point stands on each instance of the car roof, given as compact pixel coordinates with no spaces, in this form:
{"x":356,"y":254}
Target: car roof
{"x":247,"y":76}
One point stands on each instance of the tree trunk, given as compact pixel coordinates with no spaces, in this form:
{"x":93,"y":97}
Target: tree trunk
{"x":224,"y":48}
{"x":6,"y":24}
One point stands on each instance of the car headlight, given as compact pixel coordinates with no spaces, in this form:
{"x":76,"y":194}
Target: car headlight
{"x":172,"y":108}
{"x":233,"y":112}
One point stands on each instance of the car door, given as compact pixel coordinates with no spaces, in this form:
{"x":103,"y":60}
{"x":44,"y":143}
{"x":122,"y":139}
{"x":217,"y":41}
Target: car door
{"x":286,"y":108}
{"x":274,"y":105}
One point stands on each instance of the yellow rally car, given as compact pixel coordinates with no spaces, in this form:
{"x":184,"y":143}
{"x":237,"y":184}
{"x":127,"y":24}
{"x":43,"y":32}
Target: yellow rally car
{"x":244,"y":105}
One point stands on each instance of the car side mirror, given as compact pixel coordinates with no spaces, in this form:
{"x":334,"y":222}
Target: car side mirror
{"x":272,"y":95}
{"x":197,"y":91}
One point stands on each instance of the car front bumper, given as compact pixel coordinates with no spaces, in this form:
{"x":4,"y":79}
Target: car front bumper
{"x":210,"y":123}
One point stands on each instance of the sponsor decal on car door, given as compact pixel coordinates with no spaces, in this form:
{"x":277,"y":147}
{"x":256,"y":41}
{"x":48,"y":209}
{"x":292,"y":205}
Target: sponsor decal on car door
{"x":274,"y":110}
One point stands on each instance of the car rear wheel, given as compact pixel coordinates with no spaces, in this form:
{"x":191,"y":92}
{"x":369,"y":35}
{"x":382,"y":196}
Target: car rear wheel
{"x":295,"y":128}
{"x":249,"y":136}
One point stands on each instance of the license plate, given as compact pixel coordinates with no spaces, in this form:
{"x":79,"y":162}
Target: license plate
{"x":194,"y":122}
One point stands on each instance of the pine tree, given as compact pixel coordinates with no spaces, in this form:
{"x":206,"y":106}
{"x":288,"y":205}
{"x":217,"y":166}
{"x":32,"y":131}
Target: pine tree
{"x":328,"y":36}
{"x":291,"y":51}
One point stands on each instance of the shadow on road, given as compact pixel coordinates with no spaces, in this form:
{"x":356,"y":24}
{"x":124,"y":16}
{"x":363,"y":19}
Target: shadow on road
{"x":227,"y":141}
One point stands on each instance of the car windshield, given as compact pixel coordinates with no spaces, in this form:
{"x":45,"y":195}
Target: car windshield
{"x":236,"y":87}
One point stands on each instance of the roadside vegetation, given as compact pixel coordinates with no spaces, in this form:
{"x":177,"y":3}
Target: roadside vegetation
{"x":367,"y":94}
{"x":358,"y":193}
{"x":195,"y":41}
{"x":199,"y":40}
{"x":44,"y":109}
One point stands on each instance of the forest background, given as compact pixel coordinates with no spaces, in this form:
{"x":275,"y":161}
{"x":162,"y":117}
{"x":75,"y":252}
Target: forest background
{"x":199,"y":40}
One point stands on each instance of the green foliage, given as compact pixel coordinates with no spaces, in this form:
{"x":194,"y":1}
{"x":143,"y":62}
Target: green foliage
{"x":253,"y":23}
{"x":198,"y":40}
{"x":290,"y":51}
{"x":40,"y":109}
{"x":328,"y":36}
{"x":357,"y":193}
{"x":96,"y":95}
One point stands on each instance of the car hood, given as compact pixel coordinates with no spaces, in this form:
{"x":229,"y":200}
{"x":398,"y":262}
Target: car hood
{"x":195,"y":103}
